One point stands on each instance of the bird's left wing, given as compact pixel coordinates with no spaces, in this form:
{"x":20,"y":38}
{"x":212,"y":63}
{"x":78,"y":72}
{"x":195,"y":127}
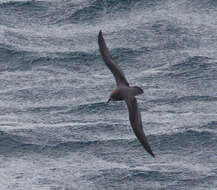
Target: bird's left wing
{"x":116,"y":71}
{"x":136,"y":123}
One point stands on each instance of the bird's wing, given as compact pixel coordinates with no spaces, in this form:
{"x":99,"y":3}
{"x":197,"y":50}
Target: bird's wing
{"x":118,"y":74}
{"x":136,"y":123}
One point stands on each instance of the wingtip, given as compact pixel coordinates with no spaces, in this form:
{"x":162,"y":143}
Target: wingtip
{"x":101,"y":42}
{"x":152,"y":155}
{"x":100,"y":33}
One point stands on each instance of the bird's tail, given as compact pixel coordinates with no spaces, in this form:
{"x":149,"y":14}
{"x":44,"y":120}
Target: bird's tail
{"x":137,"y":90}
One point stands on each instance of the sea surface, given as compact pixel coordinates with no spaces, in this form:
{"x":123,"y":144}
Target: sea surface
{"x":56,"y":130}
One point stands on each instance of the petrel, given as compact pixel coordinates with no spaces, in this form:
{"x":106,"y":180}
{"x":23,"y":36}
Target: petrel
{"x":125,"y":92}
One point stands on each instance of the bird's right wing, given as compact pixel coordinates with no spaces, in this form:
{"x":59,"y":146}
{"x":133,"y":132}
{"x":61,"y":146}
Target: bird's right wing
{"x":118,"y":74}
{"x":136,"y":123}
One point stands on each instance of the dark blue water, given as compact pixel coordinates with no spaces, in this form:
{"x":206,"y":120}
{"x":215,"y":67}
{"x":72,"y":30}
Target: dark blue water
{"x":57,"y":132}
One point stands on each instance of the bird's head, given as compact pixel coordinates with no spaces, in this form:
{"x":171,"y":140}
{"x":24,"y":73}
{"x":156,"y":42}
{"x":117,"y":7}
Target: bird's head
{"x":111,"y":96}
{"x":109,"y":100}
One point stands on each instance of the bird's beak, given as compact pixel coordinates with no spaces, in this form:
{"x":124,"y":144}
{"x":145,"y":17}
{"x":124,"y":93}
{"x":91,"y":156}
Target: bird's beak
{"x":108,"y":100}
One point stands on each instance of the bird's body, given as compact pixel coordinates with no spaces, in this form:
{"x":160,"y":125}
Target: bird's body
{"x":122,"y":92}
{"x":125,"y":92}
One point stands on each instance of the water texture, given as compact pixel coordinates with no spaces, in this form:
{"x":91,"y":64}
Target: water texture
{"x":56,"y":130}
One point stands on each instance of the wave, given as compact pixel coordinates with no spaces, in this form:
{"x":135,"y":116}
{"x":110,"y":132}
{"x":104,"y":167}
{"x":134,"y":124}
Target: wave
{"x":189,"y":140}
{"x":197,"y":72}
{"x":94,"y":108}
{"x":14,"y":145}
{"x":69,"y":12}
{"x":23,"y":12}
{"x":61,"y":12}
{"x":197,"y":63}
{"x":184,"y":99}
{"x":14,"y":1}
{"x":13,"y":59}
{"x":44,"y":29}
{"x":211,"y":125}
{"x":90,"y":11}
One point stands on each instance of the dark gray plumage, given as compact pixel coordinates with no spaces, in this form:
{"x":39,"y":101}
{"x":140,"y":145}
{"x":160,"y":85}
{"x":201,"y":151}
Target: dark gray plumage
{"x":126,"y":93}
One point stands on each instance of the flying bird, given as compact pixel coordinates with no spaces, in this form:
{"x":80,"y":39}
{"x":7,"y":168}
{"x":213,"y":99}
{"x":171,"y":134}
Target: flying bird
{"x":125,"y":92}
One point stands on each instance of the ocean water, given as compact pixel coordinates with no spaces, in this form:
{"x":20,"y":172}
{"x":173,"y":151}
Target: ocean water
{"x":56,"y":130}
